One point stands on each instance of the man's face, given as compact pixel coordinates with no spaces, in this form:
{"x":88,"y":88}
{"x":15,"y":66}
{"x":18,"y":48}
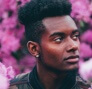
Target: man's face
{"x":60,"y":43}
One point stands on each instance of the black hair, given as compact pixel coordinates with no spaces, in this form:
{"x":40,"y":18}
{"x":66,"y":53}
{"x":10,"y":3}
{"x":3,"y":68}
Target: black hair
{"x":33,"y":12}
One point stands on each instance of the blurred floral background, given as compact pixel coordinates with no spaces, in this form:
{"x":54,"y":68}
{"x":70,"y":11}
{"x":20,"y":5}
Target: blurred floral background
{"x":13,"y":51}
{"x":14,"y":57}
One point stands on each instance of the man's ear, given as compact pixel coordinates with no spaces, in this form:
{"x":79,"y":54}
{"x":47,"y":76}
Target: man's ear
{"x":33,"y":48}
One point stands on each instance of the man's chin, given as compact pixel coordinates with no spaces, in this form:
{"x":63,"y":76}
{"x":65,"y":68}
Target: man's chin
{"x":71,"y":70}
{"x":59,"y":71}
{"x":72,"y":67}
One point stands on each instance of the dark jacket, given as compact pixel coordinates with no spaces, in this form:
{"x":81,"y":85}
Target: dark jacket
{"x":24,"y":81}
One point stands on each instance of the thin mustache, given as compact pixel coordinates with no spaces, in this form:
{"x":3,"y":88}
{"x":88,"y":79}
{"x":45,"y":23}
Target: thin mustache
{"x":70,"y":57}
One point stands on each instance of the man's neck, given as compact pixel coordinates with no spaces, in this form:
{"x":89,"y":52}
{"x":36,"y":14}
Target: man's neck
{"x":50,"y":80}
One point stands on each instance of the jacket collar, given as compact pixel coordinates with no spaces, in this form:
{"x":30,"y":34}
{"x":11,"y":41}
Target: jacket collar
{"x":68,"y":82}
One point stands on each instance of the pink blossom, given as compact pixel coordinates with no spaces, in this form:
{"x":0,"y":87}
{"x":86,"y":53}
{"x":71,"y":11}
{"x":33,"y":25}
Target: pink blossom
{"x":9,"y":60}
{"x":6,"y":74}
{"x":9,"y":42}
{"x":6,"y":71}
{"x":87,"y":36}
{"x":80,"y":10}
{"x":29,"y":61}
{"x":85,"y":70}
{"x":3,"y":70}
{"x":4,"y":83}
{"x":9,"y":23}
{"x":90,"y":7}
{"x":85,"y":51}
{"x":10,"y":73}
{"x":9,"y":4}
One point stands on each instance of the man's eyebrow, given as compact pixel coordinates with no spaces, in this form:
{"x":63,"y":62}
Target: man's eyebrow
{"x":57,"y":33}
{"x":77,"y":30}
{"x":61,"y":33}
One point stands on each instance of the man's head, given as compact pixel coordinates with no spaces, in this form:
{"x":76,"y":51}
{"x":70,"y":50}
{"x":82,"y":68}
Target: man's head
{"x":51,"y":33}
{"x":32,"y":14}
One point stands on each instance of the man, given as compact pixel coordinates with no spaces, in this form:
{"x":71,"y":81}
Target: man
{"x":53,"y":38}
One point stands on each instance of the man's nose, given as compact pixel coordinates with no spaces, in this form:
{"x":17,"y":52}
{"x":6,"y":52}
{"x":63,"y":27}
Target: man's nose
{"x":72,"y":46}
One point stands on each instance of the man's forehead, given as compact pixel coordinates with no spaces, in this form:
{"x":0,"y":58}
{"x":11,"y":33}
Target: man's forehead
{"x":60,"y":22}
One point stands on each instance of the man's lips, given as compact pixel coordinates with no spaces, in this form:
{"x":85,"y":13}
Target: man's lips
{"x":72,"y":59}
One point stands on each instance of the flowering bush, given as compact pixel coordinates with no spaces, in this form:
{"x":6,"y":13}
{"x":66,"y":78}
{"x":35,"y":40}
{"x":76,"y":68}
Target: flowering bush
{"x":4,"y":84}
{"x":86,"y":51}
{"x":82,"y":13}
{"x":85,"y":70}
{"x":12,"y":41}
{"x":87,"y":36}
{"x":6,"y":74}
{"x":82,"y":10}
{"x":11,"y":34}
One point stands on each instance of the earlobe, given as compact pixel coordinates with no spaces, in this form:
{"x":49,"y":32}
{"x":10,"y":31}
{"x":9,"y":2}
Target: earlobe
{"x":33,"y":48}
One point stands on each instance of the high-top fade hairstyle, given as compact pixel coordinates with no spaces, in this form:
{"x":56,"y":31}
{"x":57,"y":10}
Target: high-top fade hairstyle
{"x":33,"y":12}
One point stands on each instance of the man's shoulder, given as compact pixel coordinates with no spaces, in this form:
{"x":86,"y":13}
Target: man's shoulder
{"x":20,"y":81}
{"x":82,"y":83}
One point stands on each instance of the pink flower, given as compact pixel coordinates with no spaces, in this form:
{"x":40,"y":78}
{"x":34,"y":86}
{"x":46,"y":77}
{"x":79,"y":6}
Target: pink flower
{"x":4,"y":83}
{"x":9,"y":60}
{"x":85,"y":70}
{"x":10,"y":73}
{"x":7,"y":72}
{"x":9,"y":23}
{"x":9,"y":42}
{"x":3,"y":70}
{"x":9,"y":4}
{"x":85,"y":51}
{"x":87,"y":36}
{"x":29,"y":61}
{"x":80,"y":10}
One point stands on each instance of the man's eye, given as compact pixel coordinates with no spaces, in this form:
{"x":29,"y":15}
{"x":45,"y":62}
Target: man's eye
{"x":58,"y":39}
{"x":76,"y":36}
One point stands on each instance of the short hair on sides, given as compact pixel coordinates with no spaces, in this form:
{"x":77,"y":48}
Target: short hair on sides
{"x":33,"y":12}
